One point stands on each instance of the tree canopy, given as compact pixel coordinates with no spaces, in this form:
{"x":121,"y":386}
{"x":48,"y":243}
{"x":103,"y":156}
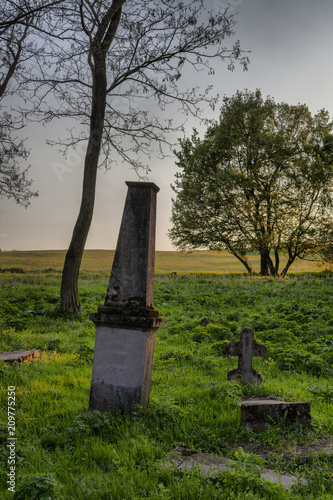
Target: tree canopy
{"x":143,"y":48}
{"x":261,"y":180}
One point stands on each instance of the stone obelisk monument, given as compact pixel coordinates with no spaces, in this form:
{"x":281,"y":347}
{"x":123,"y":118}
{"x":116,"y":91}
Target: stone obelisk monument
{"x":126,"y":325}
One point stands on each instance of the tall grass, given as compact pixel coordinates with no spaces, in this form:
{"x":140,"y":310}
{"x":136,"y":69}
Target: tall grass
{"x":66,"y":452}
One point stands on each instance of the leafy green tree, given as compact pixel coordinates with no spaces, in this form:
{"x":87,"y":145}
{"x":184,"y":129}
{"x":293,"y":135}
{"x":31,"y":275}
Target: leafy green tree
{"x":261,"y":180}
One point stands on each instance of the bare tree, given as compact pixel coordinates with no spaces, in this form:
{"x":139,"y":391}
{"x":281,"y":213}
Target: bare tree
{"x":22,"y":33}
{"x":14,"y":182}
{"x":106,"y":60}
{"x":15,"y":50}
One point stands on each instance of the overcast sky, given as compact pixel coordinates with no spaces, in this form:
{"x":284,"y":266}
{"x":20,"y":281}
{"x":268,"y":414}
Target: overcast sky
{"x":291,"y":60}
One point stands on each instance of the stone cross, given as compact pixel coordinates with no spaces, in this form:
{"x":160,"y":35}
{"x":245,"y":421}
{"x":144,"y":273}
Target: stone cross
{"x":245,"y":349}
{"x":126,"y":325}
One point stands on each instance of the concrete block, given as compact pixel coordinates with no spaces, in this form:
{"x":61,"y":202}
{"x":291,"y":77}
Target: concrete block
{"x":259,"y":413}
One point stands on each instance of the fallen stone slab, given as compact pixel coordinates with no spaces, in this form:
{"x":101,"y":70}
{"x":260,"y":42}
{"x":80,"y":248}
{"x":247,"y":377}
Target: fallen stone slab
{"x":10,"y":357}
{"x":185,"y":459}
{"x":259,"y":413}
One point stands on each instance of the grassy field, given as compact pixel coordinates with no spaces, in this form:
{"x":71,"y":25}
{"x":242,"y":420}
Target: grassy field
{"x":65,"y":452}
{"x":166,"y":262}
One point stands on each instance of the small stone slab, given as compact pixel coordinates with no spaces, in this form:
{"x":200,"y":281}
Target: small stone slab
{"x":245,"y":349}
{"x":185,"y":459}
{"x":259,"y":413}
{"x":10,"y":357}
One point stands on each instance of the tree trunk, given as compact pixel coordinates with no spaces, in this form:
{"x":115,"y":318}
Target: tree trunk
{"x":264,"y":262}
{"x":274,"y":269}
{"x":271,"y":267}
{"x":291,"y":258}
{"x":277,"y":262}
{"x":97,"y":62}
{"x":70,"y":274}
{"x":285,"y":270}
{"x":242,"y":259}
{"x":245,"y":264}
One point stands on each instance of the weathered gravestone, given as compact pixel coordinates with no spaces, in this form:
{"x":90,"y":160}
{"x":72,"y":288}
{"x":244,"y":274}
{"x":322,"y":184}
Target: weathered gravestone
{"x":245,"y":349}
{"x":260,"y":411}
{"x":126,"y":325}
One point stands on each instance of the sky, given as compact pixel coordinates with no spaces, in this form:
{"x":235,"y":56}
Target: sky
{"x":290,"y":44}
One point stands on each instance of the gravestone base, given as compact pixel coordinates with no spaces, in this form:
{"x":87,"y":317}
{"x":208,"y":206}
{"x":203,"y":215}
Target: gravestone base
{"x":20,"y":356}
{"x":259,"y":413}
{"x":122,"y":368}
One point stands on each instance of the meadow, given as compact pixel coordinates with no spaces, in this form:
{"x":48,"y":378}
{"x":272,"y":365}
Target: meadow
{"x":166,"y":262}
{"x":65,"y":452}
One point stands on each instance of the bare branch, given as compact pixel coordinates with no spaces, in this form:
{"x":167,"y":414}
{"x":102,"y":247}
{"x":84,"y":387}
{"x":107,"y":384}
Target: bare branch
{"x":22,"y":12}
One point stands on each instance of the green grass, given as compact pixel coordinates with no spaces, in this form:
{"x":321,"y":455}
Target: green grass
{"x":166,"y":262}
{"x":62,"y":449}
